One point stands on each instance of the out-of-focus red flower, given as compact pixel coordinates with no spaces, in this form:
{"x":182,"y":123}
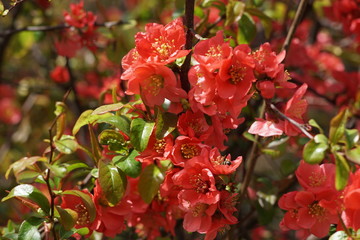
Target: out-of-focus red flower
{"x":60,"y":74}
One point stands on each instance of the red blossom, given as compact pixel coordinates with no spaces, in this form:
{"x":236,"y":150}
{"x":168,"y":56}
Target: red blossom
{"x":60,"y":74}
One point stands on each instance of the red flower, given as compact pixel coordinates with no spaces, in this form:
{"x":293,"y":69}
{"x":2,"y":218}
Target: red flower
{"x":212,"y":52}
{"x":197,"y":183}
{"x":154,"y":83}
{"x":161,"y":44}
{"x":76,"y":204}
{"x":60,"y":74}
{"x":184,"y":149}
{"x":266,"y":61}
{"x":194,"y":125}
{"x":198,"y":217}
{"x":222,"y":164}
{"x":351,"y":214}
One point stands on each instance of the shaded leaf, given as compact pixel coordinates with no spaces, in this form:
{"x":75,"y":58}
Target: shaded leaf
{"x":23,"y":163}
{"x":95,"y":147}
{"x":353,"y":154}
{"x":234,"y":11}
{"x":129,"y":165}
{"x":68,"y":217}
{"x":351,"y":137}
{"x":247,"y":29}
{"x":112,"y":184}
{"x":29,"y":192}
{"x":149,"y":182}
{"x":140,"y":132}
{"x":165,"y":124}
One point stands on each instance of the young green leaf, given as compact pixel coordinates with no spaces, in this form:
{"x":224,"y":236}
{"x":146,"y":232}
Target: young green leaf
{"x":315,"y":150}
{"x":107,"y":108}
{"x":68,"y":217}
{"x":67,"y":144}
{"x":342,"y":171}
{"x":149,"y":182}
{"x":140,"y":132}
{"x":337,"y":126}
{"x":165,"y":124}
{"x":88,"y":117}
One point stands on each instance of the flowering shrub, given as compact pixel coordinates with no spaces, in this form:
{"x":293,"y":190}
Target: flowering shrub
{"x":187,"y":118}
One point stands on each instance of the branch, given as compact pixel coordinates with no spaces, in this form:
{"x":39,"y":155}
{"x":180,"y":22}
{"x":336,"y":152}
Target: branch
{"x":294,"y":24}
{"x":56,"y":27}
{"x":189,"y":23}
{"x":301,"y":127}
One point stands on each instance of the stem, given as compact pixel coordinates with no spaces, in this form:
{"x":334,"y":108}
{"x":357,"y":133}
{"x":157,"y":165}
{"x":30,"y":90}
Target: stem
{"x":189,"y":23}
{"x":48,"y":173}
{"x":252,"y":160}
{"x":294,"y":24}
{"x":344,"y":226}
{"x":56,"y":27}
{"x":292,"y":121}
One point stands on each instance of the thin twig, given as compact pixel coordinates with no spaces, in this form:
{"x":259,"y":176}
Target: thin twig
{"x":251,"y":159}
{"x":189,"y":23}
{"x":292,"y":121}
{"x":56,"y":27}
{"x":294,"y":24}
{"x":48,"y":173}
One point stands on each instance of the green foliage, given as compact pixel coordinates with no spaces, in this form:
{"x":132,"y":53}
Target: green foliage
{"x":140,"y":132}
{"x":29,"y":229}
{"x":113,"y":183}
{"x":129,"y":165}
{"x":31,"y":193}
{"x":315,"y":150}
{"x":149,"y":183}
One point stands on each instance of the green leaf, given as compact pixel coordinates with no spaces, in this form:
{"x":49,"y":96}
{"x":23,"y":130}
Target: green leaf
{"x":88,"y":117}
{"x":107,"y":108}
{"x":23,"y":163}
{"x":29,"y":192}
{"x":149,"y":182}
{"x":266,"y":21}
{"x":342,"y":171}
{"x":128,"y":165}
{"x":29,"y":229}
{"x":2,"y":8}
{"x":351,"y":137}
{"x":95,"y":147}
{"x":68,"y":217}
{"x":112,"y":183}
{"x":337,"y":126}
{"x":315,"y":150}
{"x":112,"y":138}
{"x":76,"y":165}
{"x":27,"y":176}
{"x":66,"y":144}
{"x":339,"y":235}
{"x":313,"y":123}
{"x":234,"y":11}
{"x":140,"y":132}
{"x":353,"y":154}
{"x":165,"y":124}
{"x":120,"y":122}
{"x":247,"y":29}
{"x":88,"y":202}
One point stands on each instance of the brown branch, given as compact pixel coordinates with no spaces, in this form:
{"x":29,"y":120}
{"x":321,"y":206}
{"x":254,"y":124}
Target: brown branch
{"x":56,"y":27}
{"x":189,"y":23}
{"x":294,"y":24}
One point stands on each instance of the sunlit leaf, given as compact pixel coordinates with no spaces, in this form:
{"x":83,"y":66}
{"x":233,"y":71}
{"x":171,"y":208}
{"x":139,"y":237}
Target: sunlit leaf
{"x":120,"y":122}
{"x":67,"y":144}
{"x":29,"y":229}
{"x":140,"y":132}
{"x":342,"y":171}
{"x":337,"y":126}
{"x":165,"y":124}
{"x":29,"y":192}
{"x":68,"y":217}
{"x":247,"y":29}
{"x":107,"y":108}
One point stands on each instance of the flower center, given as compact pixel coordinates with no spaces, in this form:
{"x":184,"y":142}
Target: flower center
{"x":315,"y":210}
{"x":189,"y":150}
{"x":162,"y":48}
{"x":316,"y":179}
{"x":199,"y":209}
{"x":199,"y":184}
{"x":154,"y":84}
{"x":237,"y":74}
{"x":160,"y":145}
{"x":215,"y":52}
{"x":83,"y":215}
